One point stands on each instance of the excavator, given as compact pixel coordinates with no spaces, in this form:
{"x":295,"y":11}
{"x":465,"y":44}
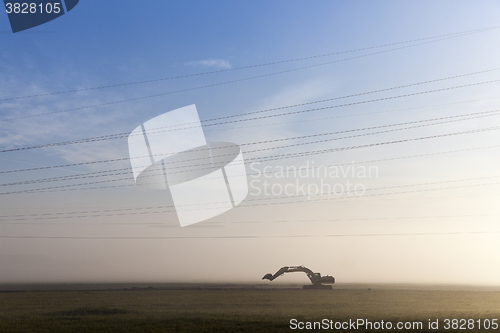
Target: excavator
{"x":316,"y":279}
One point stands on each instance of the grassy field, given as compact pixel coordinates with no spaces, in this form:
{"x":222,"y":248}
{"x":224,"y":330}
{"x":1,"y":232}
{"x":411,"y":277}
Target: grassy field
{"x":233,"y":310}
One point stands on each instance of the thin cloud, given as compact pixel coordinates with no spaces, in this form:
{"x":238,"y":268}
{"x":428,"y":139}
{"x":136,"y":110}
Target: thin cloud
{"x":217,"y":63}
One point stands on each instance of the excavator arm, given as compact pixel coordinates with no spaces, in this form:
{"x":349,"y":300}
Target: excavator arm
{"x":280,"y":272}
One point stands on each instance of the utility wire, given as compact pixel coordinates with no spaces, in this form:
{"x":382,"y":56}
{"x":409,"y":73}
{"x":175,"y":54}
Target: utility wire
{"x":232,"y":223}
{"x":226,"y":82}
{"x":112,"y":172}
{"x":171,"y":209}
{"x":452,"y":35}
{"x":254,"y":236}
{"x":269,"y":172}
{"x":126,"y":134}
{"x":127,"y":158}
{"x":292,"y":155}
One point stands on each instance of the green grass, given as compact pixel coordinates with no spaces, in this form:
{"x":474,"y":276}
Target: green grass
{"x":230,"y":310}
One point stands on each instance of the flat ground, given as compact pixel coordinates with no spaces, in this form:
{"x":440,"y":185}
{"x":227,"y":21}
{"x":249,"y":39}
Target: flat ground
{"x":218,"y":308}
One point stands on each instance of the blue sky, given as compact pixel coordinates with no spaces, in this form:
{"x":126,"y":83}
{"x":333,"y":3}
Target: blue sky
{"x":111,"y":42}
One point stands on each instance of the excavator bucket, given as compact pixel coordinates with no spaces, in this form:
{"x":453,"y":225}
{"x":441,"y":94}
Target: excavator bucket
{"x":267,"y":277}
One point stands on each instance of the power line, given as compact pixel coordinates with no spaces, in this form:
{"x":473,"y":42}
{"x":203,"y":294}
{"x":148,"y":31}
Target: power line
{"x":452,"y":35}
{"x":110,"y":172}
{"x":232,"y":223}
{"x":161,"y":209}
{"x":226,"y":82}
{"x":253,"y":236}
{"x":350,"y":115}
{"x":360,"y":162}
{"x":357,"y":94}
{"x":323,"y":151}
{"x":126,"y":134}
{"x":127,"y":158}
{"x":356,"y":103}
{"x":293,"y":155}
